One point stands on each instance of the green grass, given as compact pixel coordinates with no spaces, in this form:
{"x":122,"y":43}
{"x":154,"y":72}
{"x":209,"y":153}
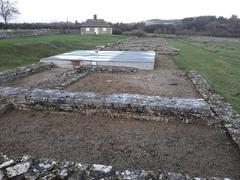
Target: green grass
{"x":21,"y":51}
{"x":219,"y":63}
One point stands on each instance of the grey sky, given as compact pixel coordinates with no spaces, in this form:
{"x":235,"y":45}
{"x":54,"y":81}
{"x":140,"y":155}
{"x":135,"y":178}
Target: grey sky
{"x":123,"y":10}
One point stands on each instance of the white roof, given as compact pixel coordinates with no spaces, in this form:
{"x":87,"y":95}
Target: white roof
{"x":113,"y":56}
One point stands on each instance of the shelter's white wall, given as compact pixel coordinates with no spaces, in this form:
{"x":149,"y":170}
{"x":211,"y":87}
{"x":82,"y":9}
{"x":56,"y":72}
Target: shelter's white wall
{"x":68,"y":64}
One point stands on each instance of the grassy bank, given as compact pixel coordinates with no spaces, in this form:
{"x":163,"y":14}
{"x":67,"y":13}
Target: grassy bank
{"x":219,"y":63}
{"x":20,"y":51}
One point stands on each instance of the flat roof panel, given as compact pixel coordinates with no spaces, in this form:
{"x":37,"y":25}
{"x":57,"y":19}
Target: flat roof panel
{"x":111,"y":56}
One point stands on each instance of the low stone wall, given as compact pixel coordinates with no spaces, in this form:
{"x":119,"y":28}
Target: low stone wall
{"x":115,"y":105}
{"x":12,"y":33}
{"x":23,"y":71}
{"x":28,"y":32}
{"x":230,"y":118}
{"x":109,"y":69}
{"x":28,"y":168}
{"x":63,"y":79}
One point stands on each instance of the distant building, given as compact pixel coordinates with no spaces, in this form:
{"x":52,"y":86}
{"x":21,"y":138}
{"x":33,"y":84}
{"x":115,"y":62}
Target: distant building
{"x":96,"y":26}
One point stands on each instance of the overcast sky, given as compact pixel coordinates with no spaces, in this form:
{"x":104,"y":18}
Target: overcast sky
{"x":122,"y":10}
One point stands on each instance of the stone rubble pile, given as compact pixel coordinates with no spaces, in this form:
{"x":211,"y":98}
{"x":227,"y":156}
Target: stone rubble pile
{"x":230,"y":118}
{"x":133,"y":106}
{"x":23,"y":71}
{"x":28,"y":168}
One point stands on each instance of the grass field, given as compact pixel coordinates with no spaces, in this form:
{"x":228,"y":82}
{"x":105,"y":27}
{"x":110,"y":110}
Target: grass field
{"x":20,"y":51}
{"x":219,"y":63}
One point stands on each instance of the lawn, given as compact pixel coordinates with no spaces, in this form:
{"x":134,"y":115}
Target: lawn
{"x":219,"y":63}
{"x":20,"y":51}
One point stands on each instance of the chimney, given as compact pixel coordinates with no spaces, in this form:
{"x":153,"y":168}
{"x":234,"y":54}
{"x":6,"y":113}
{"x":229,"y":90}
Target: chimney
{"x":95,"y":17}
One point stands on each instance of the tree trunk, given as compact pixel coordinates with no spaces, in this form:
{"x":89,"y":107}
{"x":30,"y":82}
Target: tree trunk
{"x":5,"y":20}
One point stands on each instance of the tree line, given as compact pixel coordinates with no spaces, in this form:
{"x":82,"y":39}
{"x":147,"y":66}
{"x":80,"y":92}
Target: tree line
{"x":202,"y":25}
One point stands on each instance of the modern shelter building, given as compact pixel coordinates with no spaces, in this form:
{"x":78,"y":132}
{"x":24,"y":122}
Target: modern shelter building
{"x":96,"y":26}
{"x":143,"y":60}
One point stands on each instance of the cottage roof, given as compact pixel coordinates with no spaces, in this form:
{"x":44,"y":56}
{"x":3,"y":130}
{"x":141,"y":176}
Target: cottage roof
{"x":95,"y":23}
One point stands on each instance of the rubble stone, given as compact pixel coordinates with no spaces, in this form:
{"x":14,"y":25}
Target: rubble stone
{"x":101,"y":168}
{"x":6,"y":164}
{"x":76,"y":171}
{"x":1,"y":175}
{"x":18,"y":169}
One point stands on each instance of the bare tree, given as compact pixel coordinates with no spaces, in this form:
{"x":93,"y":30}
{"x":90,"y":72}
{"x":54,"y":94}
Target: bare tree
{"x":8,"y":10}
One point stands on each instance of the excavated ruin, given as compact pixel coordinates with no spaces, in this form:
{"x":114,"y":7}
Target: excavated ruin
{"x":140,"y":124}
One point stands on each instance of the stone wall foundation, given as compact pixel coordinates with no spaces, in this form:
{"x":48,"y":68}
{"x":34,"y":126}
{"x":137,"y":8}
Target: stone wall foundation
{"x":114,"y":105}
{"x":223,"y":110}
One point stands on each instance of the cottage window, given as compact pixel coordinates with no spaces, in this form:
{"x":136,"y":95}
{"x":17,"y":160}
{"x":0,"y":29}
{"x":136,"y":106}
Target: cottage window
{"x":104,"y":29}
{"x":87,"y":29}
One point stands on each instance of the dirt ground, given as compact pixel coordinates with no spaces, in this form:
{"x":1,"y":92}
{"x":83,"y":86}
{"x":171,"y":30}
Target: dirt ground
{"x":33,"y":80}
{"x":163,"y":81}
{"x":197,"y":150}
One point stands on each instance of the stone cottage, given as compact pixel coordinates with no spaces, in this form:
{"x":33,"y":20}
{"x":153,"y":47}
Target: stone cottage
{"x":96,"y":26}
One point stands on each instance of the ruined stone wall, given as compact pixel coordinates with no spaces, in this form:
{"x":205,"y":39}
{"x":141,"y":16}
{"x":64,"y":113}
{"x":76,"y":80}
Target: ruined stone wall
{"x":23,"y":71}
{"x":67,"y":77}
{"x":109,"y":69}
{"x":62,"y":79}
{"x":160,"y":45}
{"x":134,"y":106}
{"x":229,"y":117}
